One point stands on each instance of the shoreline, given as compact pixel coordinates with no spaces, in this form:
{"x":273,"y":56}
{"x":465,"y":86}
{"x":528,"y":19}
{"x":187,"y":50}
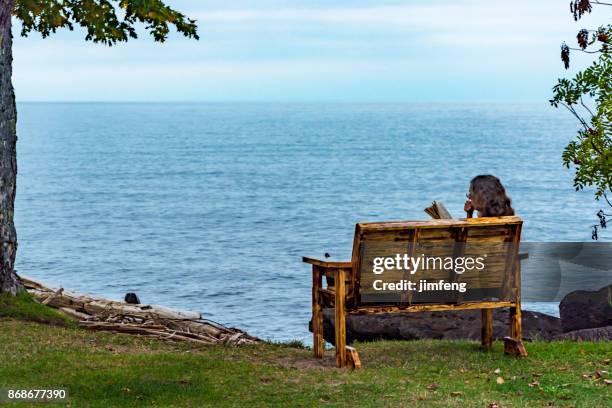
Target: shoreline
{"x":305,"y":338}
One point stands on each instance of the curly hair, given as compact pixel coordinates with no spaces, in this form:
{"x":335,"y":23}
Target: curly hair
{"x":491,"y":194}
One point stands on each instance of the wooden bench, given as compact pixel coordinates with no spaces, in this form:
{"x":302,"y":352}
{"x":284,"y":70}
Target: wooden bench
{"x":349,"y":284}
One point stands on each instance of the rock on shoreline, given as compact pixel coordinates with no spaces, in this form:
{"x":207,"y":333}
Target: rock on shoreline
{"x":593,"y":334}
{"x":460,"y":324}
{"x":583,"y":309}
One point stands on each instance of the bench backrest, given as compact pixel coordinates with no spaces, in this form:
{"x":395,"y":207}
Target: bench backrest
{"x":494,"y":240}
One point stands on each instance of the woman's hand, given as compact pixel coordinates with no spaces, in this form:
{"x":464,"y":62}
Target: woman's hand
{"x":468,"y":207}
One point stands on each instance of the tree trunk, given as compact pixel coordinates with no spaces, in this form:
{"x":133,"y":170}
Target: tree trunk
{"x":9,"y":283}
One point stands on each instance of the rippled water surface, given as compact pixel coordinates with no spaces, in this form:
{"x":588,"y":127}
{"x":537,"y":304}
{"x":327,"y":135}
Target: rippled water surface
{"x":209,"y":207}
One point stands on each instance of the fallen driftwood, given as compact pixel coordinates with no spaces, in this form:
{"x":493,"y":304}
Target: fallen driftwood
{"x":144,"y":320}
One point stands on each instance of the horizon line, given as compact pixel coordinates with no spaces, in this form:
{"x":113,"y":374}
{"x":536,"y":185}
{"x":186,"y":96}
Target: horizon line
{"x":339,"y":101}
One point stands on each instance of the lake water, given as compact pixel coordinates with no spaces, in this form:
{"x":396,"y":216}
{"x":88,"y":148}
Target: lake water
{"x":209,"y":207}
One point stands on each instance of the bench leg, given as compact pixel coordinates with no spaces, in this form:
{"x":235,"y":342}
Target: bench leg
{"x":516,"y":329}
{"x":487,"y":328}
{"x":340,"y":320}
{"x":317,"y":314}
{"x":513,"y":345}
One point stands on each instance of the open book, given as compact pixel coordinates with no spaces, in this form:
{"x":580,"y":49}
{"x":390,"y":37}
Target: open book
{"x":438,"y":211}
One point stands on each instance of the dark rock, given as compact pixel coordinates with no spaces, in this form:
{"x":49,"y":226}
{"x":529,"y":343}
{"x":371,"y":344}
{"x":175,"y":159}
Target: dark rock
{"x":132,"y":298}
{"x":593,"y":334}
{"x":585,"y":310}
{"x":461,"y":324}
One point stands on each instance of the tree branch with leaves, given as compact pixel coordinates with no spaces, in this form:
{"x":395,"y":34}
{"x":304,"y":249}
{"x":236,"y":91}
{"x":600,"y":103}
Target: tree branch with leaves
{"x":588,"y":97}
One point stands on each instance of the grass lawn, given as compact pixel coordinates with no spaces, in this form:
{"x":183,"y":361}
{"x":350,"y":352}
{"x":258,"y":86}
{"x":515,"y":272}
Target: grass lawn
{"x":109,"y":370}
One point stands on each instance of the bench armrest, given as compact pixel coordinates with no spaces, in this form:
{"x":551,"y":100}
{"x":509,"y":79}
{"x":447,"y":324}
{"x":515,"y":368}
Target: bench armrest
{"x":326,"y":264}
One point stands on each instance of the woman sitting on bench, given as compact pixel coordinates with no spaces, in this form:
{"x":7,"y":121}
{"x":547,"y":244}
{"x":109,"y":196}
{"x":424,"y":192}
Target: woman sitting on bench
{"x":488,"y":196}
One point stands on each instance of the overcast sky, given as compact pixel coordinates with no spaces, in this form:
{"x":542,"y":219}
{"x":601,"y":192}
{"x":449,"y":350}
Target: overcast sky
{"x":328,"y":50}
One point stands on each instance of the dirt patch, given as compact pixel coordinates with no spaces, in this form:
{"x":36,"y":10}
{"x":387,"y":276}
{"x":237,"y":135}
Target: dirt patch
{"x":328,"y":362}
